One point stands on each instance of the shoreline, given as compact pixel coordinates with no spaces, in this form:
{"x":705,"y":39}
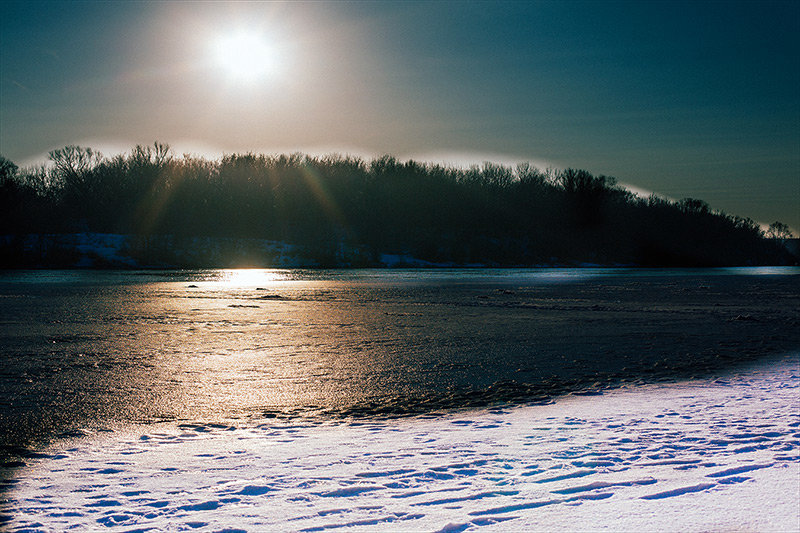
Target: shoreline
{"x":692,"y":455}
{"x":97,"y":251}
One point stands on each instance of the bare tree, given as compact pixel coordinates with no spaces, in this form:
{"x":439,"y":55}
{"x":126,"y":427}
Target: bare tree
{"x":779,"y":231}
{"x":693,"y":205}
{"x":71,"y":161}
{"x":157,"y":155}
{"x":8,"y":170}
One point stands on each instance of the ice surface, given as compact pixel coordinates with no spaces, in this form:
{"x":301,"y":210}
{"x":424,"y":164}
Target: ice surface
{"x":700,"y":455}
{"x":102,"y":349}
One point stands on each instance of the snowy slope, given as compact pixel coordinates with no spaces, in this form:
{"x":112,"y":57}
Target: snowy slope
{"x":717,"y":455}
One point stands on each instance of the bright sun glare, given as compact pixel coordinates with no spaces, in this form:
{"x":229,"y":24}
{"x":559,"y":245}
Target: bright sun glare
{"x":245,"y":56}
{"x":247,"y":277}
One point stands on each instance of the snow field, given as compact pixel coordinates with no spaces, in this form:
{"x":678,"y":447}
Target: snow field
{"x":717,"y":455}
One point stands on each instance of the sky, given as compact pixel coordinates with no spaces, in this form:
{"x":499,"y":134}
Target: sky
{"x":684,"y":99}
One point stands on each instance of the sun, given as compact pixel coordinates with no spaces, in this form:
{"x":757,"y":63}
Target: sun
{"x":245,"y":56}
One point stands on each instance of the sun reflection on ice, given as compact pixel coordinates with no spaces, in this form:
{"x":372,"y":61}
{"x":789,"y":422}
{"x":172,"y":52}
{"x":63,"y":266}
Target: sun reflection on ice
{"x":250,"y":277}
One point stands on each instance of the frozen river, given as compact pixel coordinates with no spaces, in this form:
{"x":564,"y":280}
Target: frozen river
{"x":530,"y":399}
{"x":93,"y":350}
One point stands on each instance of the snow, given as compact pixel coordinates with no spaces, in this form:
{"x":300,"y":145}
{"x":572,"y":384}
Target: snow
{"x":109,"y":250}
{"x":409,"y":261}
{"x":718,"y":454}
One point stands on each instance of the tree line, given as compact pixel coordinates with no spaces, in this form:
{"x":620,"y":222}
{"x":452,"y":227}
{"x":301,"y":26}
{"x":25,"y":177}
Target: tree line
{"x":489,"y":214}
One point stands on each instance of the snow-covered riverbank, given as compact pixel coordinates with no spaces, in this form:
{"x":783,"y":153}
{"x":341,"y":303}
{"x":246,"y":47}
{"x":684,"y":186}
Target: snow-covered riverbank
{"x":701,"y":455}
{"x":110,"y":250}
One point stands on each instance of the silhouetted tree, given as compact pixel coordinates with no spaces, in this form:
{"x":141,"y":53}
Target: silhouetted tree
{"x":72,"y":162}
{"x":488,"y":214}
{"x":693,"y":205}
{"x":8,"y":170}
{"x":779,"y":231}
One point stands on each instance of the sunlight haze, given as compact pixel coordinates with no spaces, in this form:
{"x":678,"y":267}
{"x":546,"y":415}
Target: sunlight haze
{"x":245,"y":56}
{"x":683,"y":99}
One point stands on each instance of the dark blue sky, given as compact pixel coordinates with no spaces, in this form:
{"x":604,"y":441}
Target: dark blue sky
{"x":684,"y":99}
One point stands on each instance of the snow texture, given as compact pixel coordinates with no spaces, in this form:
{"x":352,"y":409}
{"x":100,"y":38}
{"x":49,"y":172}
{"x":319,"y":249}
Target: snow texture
{"x":717,"y":455}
